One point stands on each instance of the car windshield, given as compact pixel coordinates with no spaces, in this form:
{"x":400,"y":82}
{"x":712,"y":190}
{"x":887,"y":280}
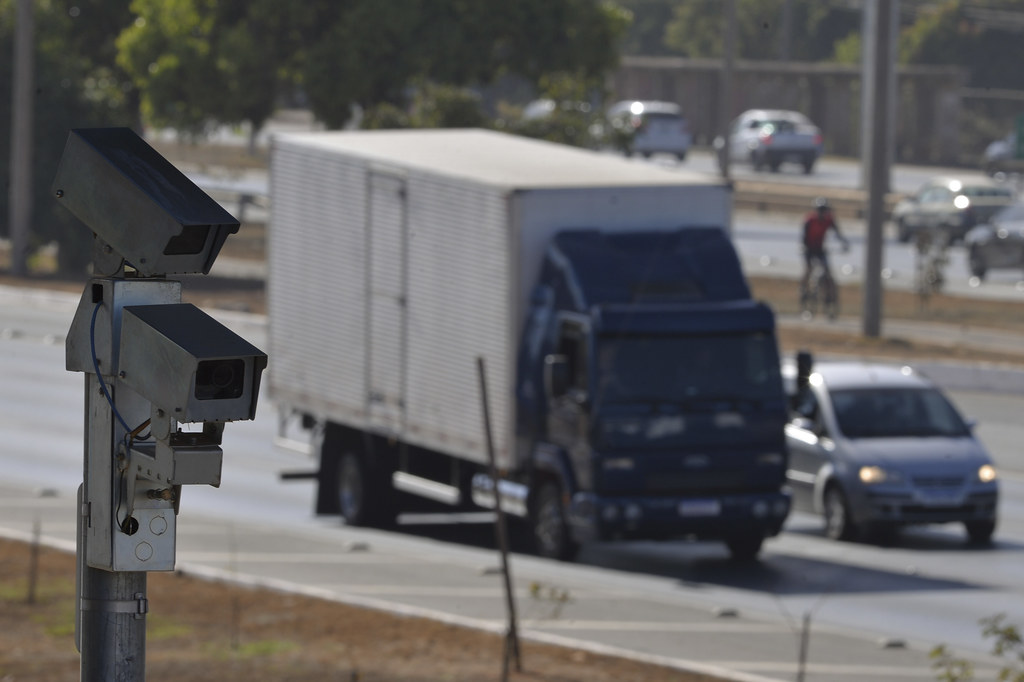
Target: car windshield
{"x":741,"y":369}
{"x":896,"y":413}
{"x":974,"y":192}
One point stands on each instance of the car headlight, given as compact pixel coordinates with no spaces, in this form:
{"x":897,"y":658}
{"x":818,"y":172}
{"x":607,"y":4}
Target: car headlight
{"x":873,"y":475}
{"x":987,"y":473}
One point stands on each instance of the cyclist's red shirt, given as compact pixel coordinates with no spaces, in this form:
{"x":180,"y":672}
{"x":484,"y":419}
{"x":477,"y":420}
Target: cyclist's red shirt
{"x":815,"y":228}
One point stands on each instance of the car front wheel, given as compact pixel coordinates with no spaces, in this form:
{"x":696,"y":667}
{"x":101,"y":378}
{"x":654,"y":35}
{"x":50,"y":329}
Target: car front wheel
{"x":980,"y":532}
{"x":977,"y":263}
{"x":902,"y":231}
{"x":838,"y":523}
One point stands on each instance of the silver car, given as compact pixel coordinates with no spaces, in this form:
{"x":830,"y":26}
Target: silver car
{"x":771,"y":137}
{"x":874,"y":447}
{"x":650,"y":127}
{"x":949,"y":205}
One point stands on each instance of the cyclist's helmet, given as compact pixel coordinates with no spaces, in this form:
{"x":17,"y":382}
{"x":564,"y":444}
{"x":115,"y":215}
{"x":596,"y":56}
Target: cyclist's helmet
{"x":821,"y":204}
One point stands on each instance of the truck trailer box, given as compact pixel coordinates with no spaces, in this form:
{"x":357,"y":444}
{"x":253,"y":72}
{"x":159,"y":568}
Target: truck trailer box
{"x":397,"y":258}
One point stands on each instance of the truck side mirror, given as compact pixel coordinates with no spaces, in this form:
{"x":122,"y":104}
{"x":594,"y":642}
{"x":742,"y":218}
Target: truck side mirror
{"x":556,"y":375}
{"x":804,"y":366}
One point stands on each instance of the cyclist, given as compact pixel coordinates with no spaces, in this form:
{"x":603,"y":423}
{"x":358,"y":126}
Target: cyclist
{"x":816,"y":226}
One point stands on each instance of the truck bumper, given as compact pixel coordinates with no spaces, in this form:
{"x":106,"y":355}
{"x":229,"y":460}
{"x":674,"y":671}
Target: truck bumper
{"x":594,"y":518}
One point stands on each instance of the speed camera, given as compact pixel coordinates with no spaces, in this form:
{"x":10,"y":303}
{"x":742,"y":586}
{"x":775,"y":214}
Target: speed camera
{"x":139,"y":204}
{"x":188,"y":364}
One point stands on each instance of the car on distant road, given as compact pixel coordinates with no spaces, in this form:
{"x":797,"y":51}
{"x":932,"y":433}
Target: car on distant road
{"x":874,"y":447}
{"x":1001,"y":156}
{"x":771,"y":137}
{"x":649,"y":127}
{"x":998,"y":243}
{"x":949,"y":206}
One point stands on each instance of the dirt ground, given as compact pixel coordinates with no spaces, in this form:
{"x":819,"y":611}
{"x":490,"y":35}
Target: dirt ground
{"x":204,"y":631}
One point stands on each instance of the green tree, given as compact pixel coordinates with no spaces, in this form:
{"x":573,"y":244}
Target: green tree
{"x":202,"y":62}
{"x":169,"y":52}
{"x":966,"y":34}
{"x":646,"y":32}
{"x":198,"y":61}
{"x":805,"y":30}
{"x":78,"y":85}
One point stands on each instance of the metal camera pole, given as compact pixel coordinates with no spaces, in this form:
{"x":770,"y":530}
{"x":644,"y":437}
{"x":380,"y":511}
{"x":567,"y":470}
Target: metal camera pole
{"x":150,"y":363}
{"x":110,"y":631}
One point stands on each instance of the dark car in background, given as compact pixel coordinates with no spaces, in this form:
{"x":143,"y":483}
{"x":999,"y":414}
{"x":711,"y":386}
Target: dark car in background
{"x":998,"y":243}
{"x":1001,"y":156}
{"x":949,"y":206}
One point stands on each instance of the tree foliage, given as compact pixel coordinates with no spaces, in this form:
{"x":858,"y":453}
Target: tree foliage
{"x":231,"y":60}
{"x":804,"y":30}
{"x":202,"y":61}
{"x":968,"y":34}
{"x":77,"y":85}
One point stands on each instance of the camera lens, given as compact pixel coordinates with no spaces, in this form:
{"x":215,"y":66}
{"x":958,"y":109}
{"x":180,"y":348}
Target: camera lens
{"x":220,"y":379}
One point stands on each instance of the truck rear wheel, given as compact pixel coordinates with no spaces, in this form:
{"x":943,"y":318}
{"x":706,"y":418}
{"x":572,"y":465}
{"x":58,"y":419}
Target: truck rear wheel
{"x":362,"y":500}
{"x":551,"y":535}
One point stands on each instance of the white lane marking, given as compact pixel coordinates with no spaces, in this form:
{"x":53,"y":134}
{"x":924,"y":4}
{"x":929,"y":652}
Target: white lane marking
{"x":653,"y":626}
{"x":858,"y":672}
{"x":293,"y":558}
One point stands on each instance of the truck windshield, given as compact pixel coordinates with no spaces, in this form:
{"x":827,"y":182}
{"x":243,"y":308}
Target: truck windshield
{"x":738,"y":369}
{"x":896,"y":413}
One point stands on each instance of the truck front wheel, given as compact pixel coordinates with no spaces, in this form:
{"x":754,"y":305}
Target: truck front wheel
{"x":551,"y":535}
{"x":744,"y":547}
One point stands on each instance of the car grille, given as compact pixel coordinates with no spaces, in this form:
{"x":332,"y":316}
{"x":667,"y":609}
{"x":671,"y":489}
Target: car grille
{"x":938,"y":481}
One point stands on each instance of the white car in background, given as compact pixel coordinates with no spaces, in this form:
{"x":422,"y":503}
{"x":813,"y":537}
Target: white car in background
{"x":874,"y":447}
{"x":767,"y":138}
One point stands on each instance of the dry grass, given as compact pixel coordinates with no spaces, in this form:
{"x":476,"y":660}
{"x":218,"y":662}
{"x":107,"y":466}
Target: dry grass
{"x":211,"y":632}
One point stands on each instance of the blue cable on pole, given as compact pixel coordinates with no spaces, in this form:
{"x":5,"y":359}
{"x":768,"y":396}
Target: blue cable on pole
{"x":96,"y":368}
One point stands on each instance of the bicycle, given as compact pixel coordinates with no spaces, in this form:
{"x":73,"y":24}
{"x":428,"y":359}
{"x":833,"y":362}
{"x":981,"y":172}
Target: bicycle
{"x":821,"y":291}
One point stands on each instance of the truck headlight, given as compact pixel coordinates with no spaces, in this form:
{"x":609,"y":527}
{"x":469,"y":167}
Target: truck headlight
{"x":987,"y":473}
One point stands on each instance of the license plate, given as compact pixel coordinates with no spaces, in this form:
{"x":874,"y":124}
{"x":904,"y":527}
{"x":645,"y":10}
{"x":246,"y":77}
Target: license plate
{"x":700,"y":508}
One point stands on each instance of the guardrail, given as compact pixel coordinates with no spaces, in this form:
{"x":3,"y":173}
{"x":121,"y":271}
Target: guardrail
{"x":772,"y":197}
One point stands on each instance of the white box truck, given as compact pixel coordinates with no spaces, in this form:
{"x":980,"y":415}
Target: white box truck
{"x":633,"y":384}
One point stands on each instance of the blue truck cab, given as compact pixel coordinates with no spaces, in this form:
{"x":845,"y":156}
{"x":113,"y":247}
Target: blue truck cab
{"x":650,"y":397}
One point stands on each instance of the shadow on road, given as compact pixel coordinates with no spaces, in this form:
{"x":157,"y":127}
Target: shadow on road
{"x":707,"y":563}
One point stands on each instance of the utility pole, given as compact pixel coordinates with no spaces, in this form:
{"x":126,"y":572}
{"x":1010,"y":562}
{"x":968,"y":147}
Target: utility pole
{"x":726,"y":85}
{"x":876,"y":91}
{"x":20,"y":192}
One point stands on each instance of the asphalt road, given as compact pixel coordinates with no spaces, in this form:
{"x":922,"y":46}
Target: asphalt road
{"x":874,"y":610}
